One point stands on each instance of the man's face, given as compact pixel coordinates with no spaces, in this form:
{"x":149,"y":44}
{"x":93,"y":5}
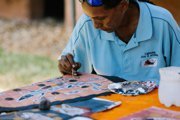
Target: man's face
{"x":105,"y":19}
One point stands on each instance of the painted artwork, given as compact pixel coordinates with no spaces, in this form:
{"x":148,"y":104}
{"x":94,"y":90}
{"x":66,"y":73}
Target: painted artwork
{"x":154,"y":113}
{"x":76,"y":110}
{"x":132,"y":88}
{"x":59,"y":90}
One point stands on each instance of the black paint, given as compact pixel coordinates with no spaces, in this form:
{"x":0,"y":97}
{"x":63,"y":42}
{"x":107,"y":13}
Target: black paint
{"x":55,"y":93}
{"x":9,"y":98}
{"x":17,"y":90}
{"x":41,"y":85}
{"x":84,"y":86}
{"x":72,"y":80}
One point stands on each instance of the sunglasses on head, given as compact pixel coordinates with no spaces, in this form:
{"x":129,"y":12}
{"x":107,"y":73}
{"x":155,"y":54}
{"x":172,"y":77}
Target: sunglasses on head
{"x":93,"y":3}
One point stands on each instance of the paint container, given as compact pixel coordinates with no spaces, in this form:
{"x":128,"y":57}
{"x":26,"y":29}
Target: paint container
{"x":44,"y":104}
{"x":169,"y":86}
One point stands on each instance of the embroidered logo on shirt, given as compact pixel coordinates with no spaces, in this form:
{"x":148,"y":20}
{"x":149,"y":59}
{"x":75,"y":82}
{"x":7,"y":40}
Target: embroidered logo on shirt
{"x":152,"y":62}
{"x":149,"y":54}
{"x":150,"y":59}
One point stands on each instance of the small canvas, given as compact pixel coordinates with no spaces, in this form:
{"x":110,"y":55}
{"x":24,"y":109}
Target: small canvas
{"x":154,"y":113}
{"x":81,"y":109}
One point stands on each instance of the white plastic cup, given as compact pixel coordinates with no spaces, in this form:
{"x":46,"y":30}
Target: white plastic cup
{"x":169,"y":86}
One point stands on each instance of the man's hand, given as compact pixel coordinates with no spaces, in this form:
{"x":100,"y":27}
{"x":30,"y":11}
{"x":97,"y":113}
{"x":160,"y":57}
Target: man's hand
{"x":67,"y":65}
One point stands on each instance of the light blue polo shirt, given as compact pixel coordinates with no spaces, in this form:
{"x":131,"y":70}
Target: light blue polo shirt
{"x":155,"y":44}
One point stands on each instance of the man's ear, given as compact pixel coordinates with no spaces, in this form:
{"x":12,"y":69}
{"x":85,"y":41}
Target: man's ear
{"x":123,"y":6}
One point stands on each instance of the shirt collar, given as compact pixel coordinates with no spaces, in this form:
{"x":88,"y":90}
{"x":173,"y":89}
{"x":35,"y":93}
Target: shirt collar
{"x":144,"y":28}
{"x":107,"y":36}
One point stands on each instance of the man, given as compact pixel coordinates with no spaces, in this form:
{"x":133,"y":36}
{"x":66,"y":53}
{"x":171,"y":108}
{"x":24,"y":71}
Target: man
{"x":129,"y":39}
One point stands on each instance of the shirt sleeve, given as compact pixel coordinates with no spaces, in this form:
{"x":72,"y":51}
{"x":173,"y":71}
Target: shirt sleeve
{"x":172,"y":47}
{"x":175,"y":38}
{"x":78,"y":46}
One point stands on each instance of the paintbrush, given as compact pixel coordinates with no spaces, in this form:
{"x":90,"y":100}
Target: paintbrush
{"x":74,"y":72}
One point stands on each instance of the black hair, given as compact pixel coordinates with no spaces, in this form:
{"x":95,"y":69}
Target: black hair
{"x":149,"y":1}
{"x":108,"y":4}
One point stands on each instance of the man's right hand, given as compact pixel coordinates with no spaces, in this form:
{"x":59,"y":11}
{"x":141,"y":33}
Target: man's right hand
{"x":67,"y":64}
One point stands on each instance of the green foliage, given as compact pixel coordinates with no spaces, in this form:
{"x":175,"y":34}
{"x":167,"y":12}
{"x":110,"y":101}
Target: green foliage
{"x":20,"y":69}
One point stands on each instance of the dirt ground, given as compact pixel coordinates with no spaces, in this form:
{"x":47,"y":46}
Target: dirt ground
{"x":44,"y":37}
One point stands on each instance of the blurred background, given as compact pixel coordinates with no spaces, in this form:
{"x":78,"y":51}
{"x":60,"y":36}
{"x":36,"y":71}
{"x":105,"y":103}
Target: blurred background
{"x":34,"y":32}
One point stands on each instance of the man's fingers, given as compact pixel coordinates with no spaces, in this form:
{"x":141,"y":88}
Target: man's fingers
{"x":65,"y":62}
{"x":70,"y":58}
{"x":77,"y":66}
{"x":63,"y":69}
{"x":64,"y":65}
{"x":65,"y":72}
{"x":67,"y":65}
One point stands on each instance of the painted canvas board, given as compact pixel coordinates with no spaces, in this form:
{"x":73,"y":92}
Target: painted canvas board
{"x":59,"y":90}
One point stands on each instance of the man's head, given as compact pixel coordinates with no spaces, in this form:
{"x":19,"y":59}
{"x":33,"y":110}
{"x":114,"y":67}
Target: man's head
{"x":106,"y":3}
{"x":106,"y":15}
